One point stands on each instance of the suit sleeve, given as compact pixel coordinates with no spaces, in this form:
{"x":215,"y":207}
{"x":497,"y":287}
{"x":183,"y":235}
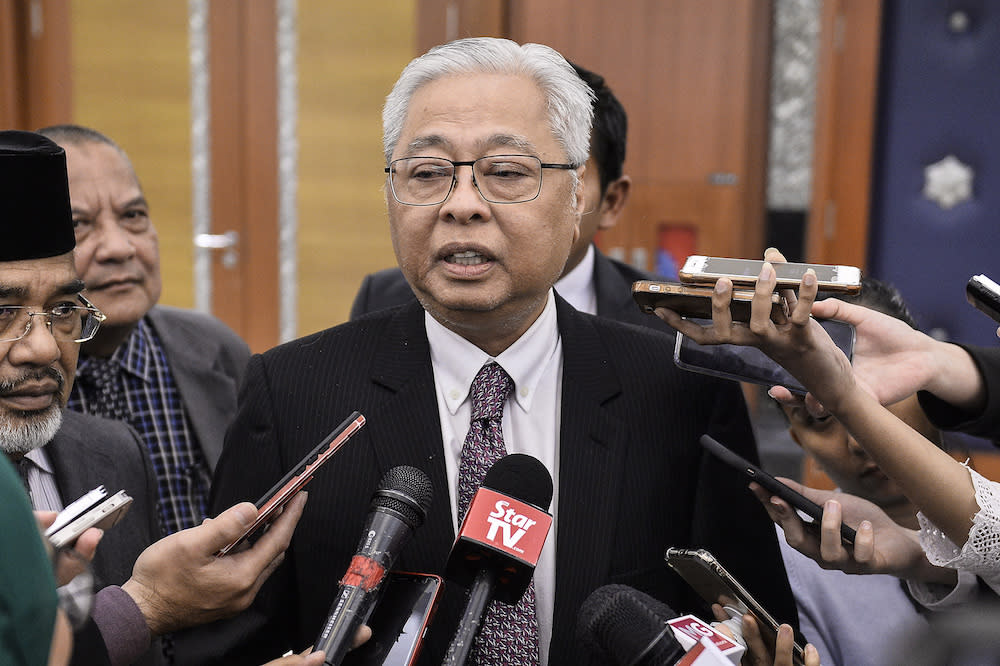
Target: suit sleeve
{"x":250,"y":465}
{"x":734,"y":526}
{"x":985,"y":423}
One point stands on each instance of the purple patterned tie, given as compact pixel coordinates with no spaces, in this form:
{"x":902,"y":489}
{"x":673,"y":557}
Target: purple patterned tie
{"x":509,"y":634}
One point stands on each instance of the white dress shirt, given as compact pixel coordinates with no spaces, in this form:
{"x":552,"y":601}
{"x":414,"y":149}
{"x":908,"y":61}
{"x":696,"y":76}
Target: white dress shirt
{"x":530,"y":421}
{"x":577,"y":286}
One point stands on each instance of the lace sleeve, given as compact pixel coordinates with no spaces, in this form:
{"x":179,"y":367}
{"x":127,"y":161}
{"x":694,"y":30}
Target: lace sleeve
{"x":981,"y":553}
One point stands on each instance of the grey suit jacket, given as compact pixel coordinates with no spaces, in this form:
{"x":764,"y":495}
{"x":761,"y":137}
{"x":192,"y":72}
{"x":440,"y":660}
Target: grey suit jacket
{"x":208,"y":361}
{"x":89,"y":451}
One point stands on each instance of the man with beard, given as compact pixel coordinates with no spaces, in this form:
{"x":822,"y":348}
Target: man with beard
{"x":43,"y":319}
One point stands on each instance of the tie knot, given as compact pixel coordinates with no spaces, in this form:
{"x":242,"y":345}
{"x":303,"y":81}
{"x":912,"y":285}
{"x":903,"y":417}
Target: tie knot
{"x":489,"y":391}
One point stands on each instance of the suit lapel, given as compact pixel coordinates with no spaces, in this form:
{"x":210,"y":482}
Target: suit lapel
{"x":207,"y":393}
{"x":76,"y":462}
{"x":591,"y":459}
{"x":407,"y":429}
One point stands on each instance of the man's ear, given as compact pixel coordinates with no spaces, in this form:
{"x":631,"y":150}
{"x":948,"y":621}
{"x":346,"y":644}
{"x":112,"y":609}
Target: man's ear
{"x":613,"y":202}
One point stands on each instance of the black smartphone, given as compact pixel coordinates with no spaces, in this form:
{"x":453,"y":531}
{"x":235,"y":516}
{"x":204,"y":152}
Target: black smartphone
{"x":796,"y":499}
{"x":715,"y":585}
{"x":690,"y":300}
{"x":298,"y":477}
{"x":984,"y":295}
{"x":749,"y":364}
{"x":399,"y":620}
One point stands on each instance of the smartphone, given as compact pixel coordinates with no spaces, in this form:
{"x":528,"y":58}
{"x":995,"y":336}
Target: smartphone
{"x":715,"y":585}
{"x":749,"y":364}
{"x":700,"y":269}
{"x":399,"y":620}
{"x":105,"y":514}
{"x":297,"y":477}
{"x":696,"y":300}
{"x":984,"y":295}
{"x":803,"y":504}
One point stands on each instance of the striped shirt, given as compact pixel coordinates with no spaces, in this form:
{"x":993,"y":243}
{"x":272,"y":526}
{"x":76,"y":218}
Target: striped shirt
{"x":148,"y":393}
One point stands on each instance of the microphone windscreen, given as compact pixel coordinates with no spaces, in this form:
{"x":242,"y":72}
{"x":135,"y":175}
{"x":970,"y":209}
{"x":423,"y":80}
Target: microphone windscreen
{"x":619,"y":624}
{"x":523,"y":477}
{"x":405,"y":491}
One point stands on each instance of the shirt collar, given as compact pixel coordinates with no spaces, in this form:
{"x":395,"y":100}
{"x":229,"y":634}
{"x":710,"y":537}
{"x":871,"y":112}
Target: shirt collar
{"x":577,"y":286}
{"x":38,"y":457}
{"x":456,"y":361}
{"x":135,"y":355}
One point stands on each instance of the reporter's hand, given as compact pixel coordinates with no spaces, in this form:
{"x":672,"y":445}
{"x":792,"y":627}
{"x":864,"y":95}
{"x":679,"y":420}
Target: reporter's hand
{"x":758,"y":654}
{"x":881,"y":546}
{"x":178,"y":582}
{"x":309,"y":658}
{"x":68,"y":568}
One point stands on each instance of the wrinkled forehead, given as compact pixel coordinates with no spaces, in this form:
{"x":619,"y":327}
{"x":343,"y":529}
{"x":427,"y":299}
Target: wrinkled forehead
{"x":37,"y":280}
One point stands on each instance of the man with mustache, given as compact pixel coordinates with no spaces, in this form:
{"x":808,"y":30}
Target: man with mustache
{"x":171,"y":374}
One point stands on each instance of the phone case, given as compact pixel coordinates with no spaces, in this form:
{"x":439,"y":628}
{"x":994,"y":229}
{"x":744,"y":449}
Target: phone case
{"x":696,"y":271}
{"x":775,"y":487}
{"x":297,"y":477}
{"x":714,"y":584}
{"x":695,"y":301}
{"x":984,"y":295}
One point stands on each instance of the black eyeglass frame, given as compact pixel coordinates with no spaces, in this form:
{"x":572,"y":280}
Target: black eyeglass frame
{"x":471,"y":163}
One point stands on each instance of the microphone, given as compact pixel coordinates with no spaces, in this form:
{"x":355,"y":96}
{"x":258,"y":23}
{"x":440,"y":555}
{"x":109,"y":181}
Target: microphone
{"x":626,"y":627}
{"x":622,"y":626}
{"x":499,"y":542}
{"x":398,"y":507}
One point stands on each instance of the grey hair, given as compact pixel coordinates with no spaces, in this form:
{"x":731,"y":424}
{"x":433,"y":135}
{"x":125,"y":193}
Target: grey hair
{"x":569,"y":98}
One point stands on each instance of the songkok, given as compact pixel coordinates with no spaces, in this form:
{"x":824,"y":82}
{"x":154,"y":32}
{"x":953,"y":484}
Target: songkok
{"x":35,"y":216}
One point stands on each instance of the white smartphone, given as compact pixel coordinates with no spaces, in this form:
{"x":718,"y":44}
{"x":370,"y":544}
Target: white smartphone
{"x":105,"y":515}
{"x":699,"y":269}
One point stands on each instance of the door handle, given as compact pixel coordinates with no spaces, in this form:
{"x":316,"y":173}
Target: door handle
{"x":225,"y":241}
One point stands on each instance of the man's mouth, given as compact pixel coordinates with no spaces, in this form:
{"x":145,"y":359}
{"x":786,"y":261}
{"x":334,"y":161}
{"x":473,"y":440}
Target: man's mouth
{"x":467,"y":258}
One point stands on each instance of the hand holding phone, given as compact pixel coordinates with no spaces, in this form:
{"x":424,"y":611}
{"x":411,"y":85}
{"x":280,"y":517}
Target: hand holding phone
{"x":772,"y":485}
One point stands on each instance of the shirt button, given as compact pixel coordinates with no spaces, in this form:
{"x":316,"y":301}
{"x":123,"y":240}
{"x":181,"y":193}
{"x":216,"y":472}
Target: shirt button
{"x":454,"y":394}
{"x":524,"y":392}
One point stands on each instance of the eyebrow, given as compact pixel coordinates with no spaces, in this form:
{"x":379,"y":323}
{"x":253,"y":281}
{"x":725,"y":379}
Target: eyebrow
{"x":520,"y":143}
{"x":71,"y":288}
{"x":135,"y":201}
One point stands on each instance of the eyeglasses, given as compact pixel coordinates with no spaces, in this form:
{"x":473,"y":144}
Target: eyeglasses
{"x":66,"y":322}
{"x":500,"y":179}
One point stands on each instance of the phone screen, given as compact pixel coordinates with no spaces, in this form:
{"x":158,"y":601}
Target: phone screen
{"x":398,"y":621}
{"x":749,"y":364}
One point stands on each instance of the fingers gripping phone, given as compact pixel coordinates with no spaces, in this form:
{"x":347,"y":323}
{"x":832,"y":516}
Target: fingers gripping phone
{"x":398,"y":621}
{"x":749,"y":364}
{"x":699,"y":269}
{"x":696,"y":301}
{"x":715,"y":585}
{"x":796,"y":499}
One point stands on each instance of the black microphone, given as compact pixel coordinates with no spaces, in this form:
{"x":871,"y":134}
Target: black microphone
{"x":620,"y":625}
{"x":499,"y":542}
{"x":398,"y":507}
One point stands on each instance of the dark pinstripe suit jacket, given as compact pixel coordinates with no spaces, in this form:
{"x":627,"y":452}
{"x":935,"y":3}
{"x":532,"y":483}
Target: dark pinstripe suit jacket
{"x":633,"y":479}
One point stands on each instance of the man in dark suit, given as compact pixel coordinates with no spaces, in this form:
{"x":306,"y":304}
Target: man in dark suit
{"x":591,"y":281}
{"x":485,"y":144}
{"x":171,"y":374}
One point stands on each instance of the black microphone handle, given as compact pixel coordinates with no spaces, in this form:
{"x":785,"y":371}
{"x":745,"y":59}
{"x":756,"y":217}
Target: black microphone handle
{"x":383,"y":538}
{"x":480,"y":593}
